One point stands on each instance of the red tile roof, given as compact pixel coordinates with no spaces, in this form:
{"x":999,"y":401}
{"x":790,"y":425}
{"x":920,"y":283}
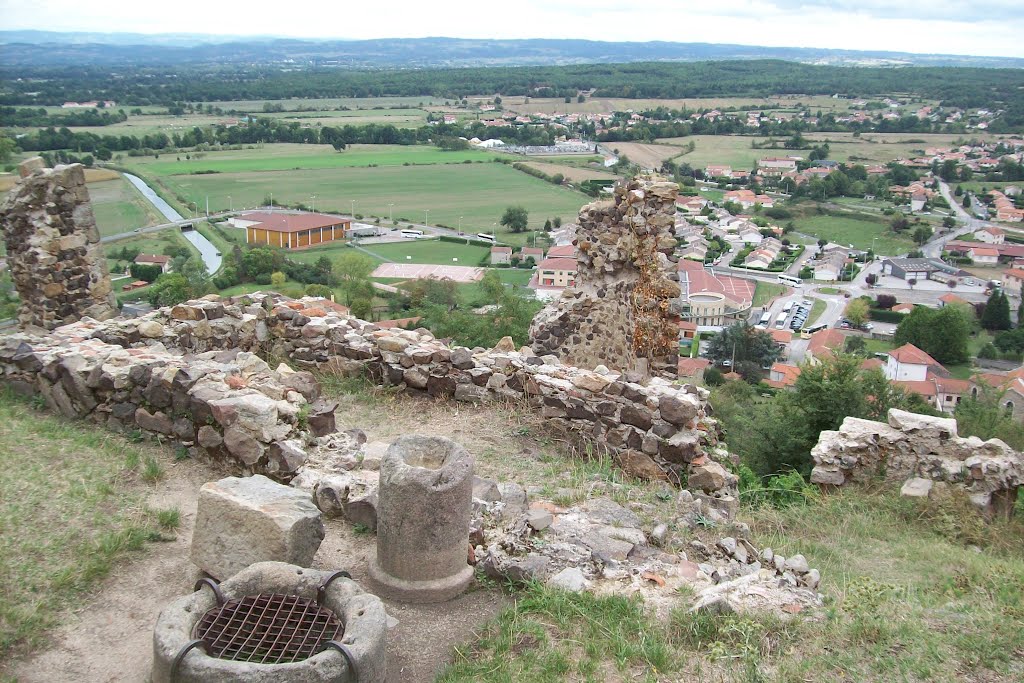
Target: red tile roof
{"x":501,"y":250}
{"x":872,"y":364}
{"x":562,"y":251}
{"x":984,"y":251}
{"x":781,"y":336}
{"x":689,"y":367}
{"x":558,"y":264}
{"x":910,"y":354}
{"x":904,"y":307}
{"x":789,"y":374}
{"x":950,"y":298}
{"x":152,"y":258}
{"x":826,"y":340}
{"x":292,"y":222}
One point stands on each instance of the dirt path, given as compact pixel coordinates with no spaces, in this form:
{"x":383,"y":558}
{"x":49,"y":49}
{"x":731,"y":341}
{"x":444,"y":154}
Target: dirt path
{"x":110,"y":638}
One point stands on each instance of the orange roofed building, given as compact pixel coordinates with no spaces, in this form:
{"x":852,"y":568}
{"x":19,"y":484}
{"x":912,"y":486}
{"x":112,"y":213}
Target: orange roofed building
{"x":293,"y":230}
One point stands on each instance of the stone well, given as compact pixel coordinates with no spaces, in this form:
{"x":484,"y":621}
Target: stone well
{"x":358,"y":652}
{"x":423,"y":517}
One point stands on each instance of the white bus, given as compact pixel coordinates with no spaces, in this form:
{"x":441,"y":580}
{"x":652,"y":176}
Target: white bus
{"x":808,"y":331}
{"x":486,"y":238}
{"x":788,"y":307}
{"x":790,"y":280}
{"x":412,"y":234}
{"x":780,"y":321}
{"x":766,"y":318}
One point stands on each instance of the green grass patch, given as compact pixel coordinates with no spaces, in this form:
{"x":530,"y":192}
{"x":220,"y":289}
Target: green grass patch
{"x":286,"y":157}
{"x":860,"y":232}
{"x":764,"y":292}
{"x":70,"y":509}
{"x":431,"y":252}
{"x":472,"y":292}
{"x":877,"y":345}
{"x":120,"y":207}
{"x":478,"y":193}
{"x":817,"y":308}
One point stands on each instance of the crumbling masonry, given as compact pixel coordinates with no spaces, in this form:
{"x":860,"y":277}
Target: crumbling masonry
{"x":620,"y":313}
{"x":53,"y":248}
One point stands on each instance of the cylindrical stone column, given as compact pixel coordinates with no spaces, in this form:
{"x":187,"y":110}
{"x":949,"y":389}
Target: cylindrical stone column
{"x":423,"y":516}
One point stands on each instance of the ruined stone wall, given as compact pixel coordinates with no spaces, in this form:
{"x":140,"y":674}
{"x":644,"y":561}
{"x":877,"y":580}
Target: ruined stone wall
{"x":53,"y":248}
{"x":920,"y":451}
{"x":619,"y":313}
{"x":656,"y":429}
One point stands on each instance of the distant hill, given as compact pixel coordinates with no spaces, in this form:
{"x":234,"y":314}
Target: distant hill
{"x":48,"y":48}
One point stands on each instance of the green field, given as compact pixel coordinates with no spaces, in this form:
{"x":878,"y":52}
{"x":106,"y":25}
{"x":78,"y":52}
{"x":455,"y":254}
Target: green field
{"x":284,"y":156}
{"x":478,"y":193}
{"x":430,"y":251}
{"x":877,"y":148}
{"x":766,"y":291}
{"x":861,"y":233}
{"x":150,"y":243}
{"x":119,"y":207}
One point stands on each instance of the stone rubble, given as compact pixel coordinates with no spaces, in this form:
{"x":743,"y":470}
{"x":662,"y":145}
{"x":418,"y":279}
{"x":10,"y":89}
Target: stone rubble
{"x":920,"y":452}
{"x":203,"y":354}
{"x":622,"y":311}
{"x":53,"y":247}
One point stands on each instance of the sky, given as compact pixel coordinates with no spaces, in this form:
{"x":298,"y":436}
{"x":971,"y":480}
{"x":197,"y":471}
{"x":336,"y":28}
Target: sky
{"x":981,"y":27}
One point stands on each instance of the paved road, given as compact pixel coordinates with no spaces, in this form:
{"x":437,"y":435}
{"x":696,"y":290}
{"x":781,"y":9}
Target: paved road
{"x":211,"y":257}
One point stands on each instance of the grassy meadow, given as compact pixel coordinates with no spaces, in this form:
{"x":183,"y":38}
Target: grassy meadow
{"x":860,"y":230}
{"x":120,"y":207}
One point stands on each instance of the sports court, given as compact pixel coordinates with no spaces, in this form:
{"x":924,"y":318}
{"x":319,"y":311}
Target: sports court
{"x":421,"y":271}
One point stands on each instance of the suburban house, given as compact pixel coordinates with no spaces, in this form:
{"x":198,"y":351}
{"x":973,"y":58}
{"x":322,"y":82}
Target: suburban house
{"x":748,"y":199}
{"x":501,"y":255}
{"x":776,"y":166}
{"x":1005,"y":250}
{"x":1005,"y":210}
{"x":782,"y":339}
{"x":949,"y":298}
{"x":155,"y":260}
{"x":717,"y":171}
{"x":292,"y":230}
{"x":916,"y":371}
{"x":554,"y":273}
{"x":983,"y":255}
{"x":1011,"y":384}
{"x":766,"y":252}
{"x":562,"y":251}
{"x":1013,"y":281}
{"x":750,"y":235}
{"x":990,"y":236}
{"x":695,"y":249}
{"x":823,"y":344}
{"x":782,"y":375}
{"x":690,"y":204}
{"x":536,"y":253}
{"x":830,"y":266}
{"x":693,"y":367}
{"x":904,"y":308}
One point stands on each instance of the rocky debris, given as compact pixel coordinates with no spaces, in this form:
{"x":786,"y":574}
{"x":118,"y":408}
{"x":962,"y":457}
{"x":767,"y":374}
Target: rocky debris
{"x":212,"y":341}
{"x":241,"y":521}
{"x":570,"y":579}
{"x":53,"y":248}
{"x":618,"y":314}
{"x":913,"y":447}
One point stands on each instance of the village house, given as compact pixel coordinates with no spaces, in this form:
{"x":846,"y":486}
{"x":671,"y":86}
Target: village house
{"x":154,"y":260}
{"x":717,"y":171}
{"x":1011,"y":387}
{"x":1013,"y":281}
{"x":782,"y":376}
{"x":696,"y":249}
{"x":536,"y":253}
{"x":766,"y":252}
{"x":557,"y":272}
{"x":823,"y":344}
{"x":776,"y":166}
{"x":916,"y":371}
{"x":949,"y":299}
{"x":990,"y":236}
{"x":983,"y":256}
{"x":501,"y":256}
{"x":830,"y":266}
{"x":747,"y":199}
{"x":1005,"y":209}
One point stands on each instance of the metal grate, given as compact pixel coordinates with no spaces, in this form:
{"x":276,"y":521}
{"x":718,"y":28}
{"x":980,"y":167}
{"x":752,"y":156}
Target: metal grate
{"x":268,"y":628}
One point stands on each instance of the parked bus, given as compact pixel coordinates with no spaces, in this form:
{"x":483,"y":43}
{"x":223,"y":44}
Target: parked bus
{"x":486,"y":238}
{"x":780,"y":321}
{"x":412,"y":234}
{"x":788,"y":307}
{"x":808,"y":331}
{"x":790,"y":280}
{"x":766,"y":318}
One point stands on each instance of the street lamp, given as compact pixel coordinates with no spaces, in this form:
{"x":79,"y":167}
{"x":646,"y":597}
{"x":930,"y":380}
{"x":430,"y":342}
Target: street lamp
{"x":231,"y":206}
{"x":426,"y":216}
{"x":353,"y":214}
{"x":314,"y":203}
{"x":391,"y":212}
{"x":460,"y":225}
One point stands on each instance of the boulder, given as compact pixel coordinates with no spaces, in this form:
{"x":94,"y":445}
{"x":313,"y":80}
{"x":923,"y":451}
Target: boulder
{"x":641,"y":466}
{"x":241,"y":521}
{"x":708,"y":477}
{"x":916,"y":487}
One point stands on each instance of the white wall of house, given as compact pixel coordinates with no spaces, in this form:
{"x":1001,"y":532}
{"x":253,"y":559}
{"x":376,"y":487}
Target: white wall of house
{"x":894,"y":370}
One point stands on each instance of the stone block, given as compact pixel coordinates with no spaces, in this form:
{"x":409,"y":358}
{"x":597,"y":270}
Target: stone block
{"x":241,"y":521}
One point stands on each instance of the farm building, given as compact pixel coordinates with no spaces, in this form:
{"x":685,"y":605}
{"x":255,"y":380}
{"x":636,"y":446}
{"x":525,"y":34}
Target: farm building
{"x":294,"y":230}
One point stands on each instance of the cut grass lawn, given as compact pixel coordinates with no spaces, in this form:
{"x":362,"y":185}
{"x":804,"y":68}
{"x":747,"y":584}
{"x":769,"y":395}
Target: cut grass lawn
{"x":430,"y":251}
{"x":817,"y":308}
{"x":764,"y":292}
{"x":860,"y":232}
{"x":285,"y":157}
{"x":71,"y":506}
{"x":479,"y":193}
{"x":907,"y":598}
{"x":120,"y":207}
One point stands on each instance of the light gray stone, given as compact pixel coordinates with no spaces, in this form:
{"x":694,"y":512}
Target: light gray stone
{"x":241,"y":521}
{"x":916,"y":487}
{"x":797,"y":564}
{"x":570,"y":579}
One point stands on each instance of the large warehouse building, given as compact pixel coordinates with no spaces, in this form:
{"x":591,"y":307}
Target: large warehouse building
{"x":292,"y":230}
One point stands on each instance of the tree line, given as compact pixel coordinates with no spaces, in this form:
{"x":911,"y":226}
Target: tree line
{"x":137,"y":86}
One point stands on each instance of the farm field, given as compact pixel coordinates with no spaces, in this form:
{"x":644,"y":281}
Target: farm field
{"x":431,"y":251}
{"x":861,"y":233}
{"x":119,"y":207}
{"x":645,"y":155}
{"x":479,"y":193}
{"x":550,"y":105}
{"x":879,"y":148}
{"x":573,"y":174}
{"x":286,"y":156}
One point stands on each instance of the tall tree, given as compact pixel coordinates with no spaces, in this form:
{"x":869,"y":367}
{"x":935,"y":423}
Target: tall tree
{"x":741,"y":342}
{"x":997,"y":312}
{"x":942,"y":333}
{"x":515,"y":218}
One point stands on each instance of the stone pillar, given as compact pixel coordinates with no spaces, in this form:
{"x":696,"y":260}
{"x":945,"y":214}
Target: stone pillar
{"x":423,"y":515}
{"x":53,"y":247}
{"x":623,"y":311}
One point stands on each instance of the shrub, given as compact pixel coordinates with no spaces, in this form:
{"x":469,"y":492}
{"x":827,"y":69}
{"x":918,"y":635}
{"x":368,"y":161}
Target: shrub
{"x":713,"y":377}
